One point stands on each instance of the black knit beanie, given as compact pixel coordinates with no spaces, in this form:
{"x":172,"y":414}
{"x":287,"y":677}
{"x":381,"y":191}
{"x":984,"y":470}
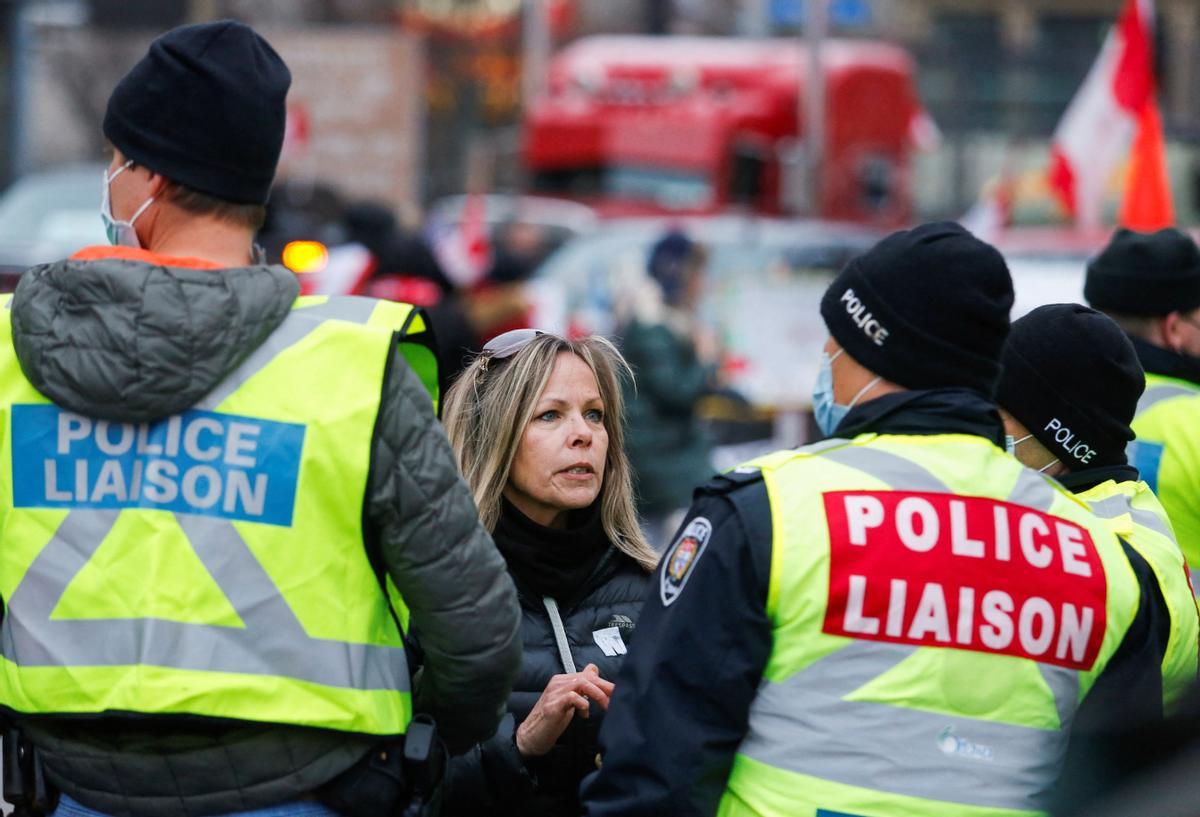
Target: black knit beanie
{"x":1072,"y":378}
{"x":925,"y":308}
{"x":205,"y":108}
{"x":1145,"y":274}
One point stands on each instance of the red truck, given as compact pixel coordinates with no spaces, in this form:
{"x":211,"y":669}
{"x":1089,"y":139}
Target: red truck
{"x":693,"y":125}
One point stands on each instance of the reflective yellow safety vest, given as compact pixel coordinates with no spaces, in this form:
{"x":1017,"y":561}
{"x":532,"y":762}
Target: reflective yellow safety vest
{"x":1167,"y":454}
{"x":1135,"y":514}
{"x":938,"y":613}
{"x":211,"y":563}
{"x":410,"y":323}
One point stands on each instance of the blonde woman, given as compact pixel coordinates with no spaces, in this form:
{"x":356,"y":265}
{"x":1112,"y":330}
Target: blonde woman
{"x":535,"y":422}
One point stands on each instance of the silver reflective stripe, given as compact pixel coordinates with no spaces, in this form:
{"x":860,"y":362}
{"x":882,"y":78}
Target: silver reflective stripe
{"x":1117,"y":505}
{"x":560,"y":635}
{"x":298,"y":325}
{"x":352,"y":308}
{"x":1031,"y":490}
{"x":272,"y":642}
{"x":1064,"y":686}
{"x":824,"y":445}
{"x":1163,"y":391}
{"x":891,"y":468}
{"x":804,"y":725}
{"x":1034,"y":490}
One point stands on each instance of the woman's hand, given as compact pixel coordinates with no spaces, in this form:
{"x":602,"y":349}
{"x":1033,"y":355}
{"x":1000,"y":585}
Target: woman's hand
{"x":563,"y":697}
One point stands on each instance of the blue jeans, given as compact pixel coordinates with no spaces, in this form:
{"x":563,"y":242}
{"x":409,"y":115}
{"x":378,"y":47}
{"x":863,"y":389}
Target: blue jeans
{"x":301,"y":808}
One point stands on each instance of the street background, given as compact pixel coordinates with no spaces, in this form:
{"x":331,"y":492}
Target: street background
{"x":508,"y":163}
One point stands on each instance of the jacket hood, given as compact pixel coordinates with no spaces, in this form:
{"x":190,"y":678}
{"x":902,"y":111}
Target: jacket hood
{"x":134,"y":341}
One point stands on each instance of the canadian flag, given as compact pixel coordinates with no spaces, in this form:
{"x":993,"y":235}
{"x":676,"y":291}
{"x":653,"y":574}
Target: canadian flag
{"x":1095,"y":132}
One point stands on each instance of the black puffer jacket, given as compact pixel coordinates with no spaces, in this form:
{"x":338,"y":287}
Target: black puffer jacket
{"x":492,"y":780}
{"x":142,"y":338}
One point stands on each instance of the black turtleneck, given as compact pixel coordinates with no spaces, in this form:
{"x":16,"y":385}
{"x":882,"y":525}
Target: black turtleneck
{"x":933,"y":411}
{"x":551,"y":561}
{"x":1157,"y":360}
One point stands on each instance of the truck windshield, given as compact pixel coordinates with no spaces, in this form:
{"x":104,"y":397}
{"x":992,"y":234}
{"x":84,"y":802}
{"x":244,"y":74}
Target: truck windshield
{"x":666,"y":188}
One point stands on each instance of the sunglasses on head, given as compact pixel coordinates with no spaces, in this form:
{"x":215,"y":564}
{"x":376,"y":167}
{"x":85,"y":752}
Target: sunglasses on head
{"x":509,"y":343}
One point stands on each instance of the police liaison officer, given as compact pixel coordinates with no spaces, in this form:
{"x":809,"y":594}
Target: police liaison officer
{"x":1149,"y":283}
{"x":222,"y":506}
{"x":1068,"y":392}
{"x":901,"y":619}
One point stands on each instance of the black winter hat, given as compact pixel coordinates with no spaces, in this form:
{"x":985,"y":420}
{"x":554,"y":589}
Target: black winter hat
{"x":1072,"y":378}
{"x":1145,"y":274}
{"x":205,"y":108}
{"x":925,"y":308}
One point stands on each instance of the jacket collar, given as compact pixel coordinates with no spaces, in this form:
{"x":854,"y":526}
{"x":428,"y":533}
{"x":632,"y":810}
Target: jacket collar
{"x":101,"y":252}
{"x":1079,"y":481}
{"x":1157,"y":360}
{"x":120,"y":334}
{"x":935,"y":411}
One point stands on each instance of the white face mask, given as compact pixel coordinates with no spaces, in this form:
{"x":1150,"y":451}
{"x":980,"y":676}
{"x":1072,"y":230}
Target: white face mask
{"x":120,"y":233}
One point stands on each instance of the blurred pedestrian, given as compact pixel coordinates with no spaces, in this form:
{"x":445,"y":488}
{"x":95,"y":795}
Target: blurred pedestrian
{"x":499,"y":302}
{"x":1149,"y":283}
{"x":537,"y":424}
{"x":220,"y":492}
{"x":519,"y":247}
{"x":406,"y":270}
{"x":907,"y":620}
{"x":675,"y":358}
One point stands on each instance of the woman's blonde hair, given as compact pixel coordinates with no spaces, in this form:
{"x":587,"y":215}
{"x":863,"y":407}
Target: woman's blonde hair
{"x":493,"y":400}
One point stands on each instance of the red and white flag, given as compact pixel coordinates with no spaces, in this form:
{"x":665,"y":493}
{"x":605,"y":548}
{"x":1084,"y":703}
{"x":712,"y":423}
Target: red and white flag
{"x":1095,"y":133}
{"x":464,"y":248}
{"x":1147,"y":204}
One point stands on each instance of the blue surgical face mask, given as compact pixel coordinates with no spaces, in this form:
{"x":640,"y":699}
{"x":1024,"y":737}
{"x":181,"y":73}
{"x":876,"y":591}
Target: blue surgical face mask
{"x":1011,"y":444}
{"x":120,"y":233}
{"x":826,"y":412}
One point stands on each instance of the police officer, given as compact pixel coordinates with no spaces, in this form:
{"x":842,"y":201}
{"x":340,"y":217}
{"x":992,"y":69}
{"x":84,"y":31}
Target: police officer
{"x":1149,"y":283}
{"x":898,"y":620}
{"x":1068,"y":392}
{"x":222,"y":507}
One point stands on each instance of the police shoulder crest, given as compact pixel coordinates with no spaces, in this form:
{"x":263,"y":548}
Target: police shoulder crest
{"x":682,"y":557}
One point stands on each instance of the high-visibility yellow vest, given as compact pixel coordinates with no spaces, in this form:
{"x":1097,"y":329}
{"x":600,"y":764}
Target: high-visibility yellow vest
{"x":1167,"y":454}
{"x":409,"y":322}
{"x":211,"y":563}
{"x":1135,"y":514}
{"x":938,"y":613}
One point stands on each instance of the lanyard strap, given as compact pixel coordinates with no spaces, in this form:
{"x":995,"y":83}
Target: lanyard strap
{"x":560,"y":634}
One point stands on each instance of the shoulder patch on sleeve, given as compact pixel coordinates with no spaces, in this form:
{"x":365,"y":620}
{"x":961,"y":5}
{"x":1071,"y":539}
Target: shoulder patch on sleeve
{"x":682,"y":557}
